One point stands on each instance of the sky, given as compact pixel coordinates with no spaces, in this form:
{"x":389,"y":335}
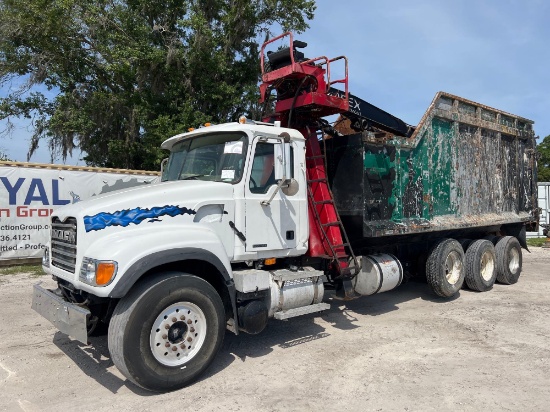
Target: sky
{"x":402,"y":52}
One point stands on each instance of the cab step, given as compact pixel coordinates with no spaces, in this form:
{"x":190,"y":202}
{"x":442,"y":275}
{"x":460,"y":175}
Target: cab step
{"x":304,"y":310}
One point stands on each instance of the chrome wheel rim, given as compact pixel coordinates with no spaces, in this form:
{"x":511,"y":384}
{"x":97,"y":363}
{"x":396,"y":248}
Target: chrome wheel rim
{"x":178,"y":334}
{"x":453,"y":267}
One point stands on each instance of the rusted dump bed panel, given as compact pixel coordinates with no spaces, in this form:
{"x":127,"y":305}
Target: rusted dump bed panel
{"x":465,"y":166}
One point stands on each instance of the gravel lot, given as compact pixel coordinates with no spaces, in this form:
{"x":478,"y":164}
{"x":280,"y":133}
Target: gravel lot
{"x":402,"y":350}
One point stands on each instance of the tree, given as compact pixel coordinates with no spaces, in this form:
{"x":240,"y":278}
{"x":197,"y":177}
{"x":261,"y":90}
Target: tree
{"x":543,"y":163}
{"x":127,"y":74}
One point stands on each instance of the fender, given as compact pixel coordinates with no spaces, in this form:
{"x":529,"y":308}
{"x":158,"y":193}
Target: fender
{"x":138,"y":250}
{"x":139,"y":268}
{"x":146,"y":263}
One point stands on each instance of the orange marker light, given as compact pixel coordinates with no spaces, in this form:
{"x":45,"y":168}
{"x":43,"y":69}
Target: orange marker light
{"x":242,"y":120}
{"x":207,"y":124}
{"x":270,"y":261}
{"x":190,"y":129}
{"x":105,"y":272}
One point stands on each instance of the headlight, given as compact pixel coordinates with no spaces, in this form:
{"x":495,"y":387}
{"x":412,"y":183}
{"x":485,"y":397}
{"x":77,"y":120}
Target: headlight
{"x":98,"y":272}
{"x":46,"y":258}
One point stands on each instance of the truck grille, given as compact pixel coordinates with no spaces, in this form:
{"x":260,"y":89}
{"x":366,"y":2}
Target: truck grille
{"x":64,"y":243}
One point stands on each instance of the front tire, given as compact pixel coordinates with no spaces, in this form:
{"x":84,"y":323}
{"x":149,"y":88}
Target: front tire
{"x":445,"y":268}
{"x":166,"y":331}
{"x":509,"y":260}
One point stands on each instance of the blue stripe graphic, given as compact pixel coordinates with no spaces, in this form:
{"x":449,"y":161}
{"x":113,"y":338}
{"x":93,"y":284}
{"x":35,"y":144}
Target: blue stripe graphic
{"x":135,"y":216}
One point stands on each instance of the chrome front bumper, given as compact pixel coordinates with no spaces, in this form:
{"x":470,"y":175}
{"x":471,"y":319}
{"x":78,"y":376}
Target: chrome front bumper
{"x":69,"y":318}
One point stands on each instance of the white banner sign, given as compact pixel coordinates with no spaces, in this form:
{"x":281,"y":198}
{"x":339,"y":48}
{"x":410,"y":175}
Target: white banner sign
{"x":28,"y":196}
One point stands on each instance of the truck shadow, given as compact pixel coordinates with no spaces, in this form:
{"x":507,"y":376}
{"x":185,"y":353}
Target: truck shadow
{"x":282,"y":334}
{"x":304,"y":329}
{"x":94,"y":359}
{"x":342,"y":314}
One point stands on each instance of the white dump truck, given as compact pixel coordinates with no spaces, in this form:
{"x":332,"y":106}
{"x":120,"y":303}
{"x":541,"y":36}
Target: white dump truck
{"x":251,"y":222}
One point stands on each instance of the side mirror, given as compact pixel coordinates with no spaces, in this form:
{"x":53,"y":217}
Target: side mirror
{"x":282,"y":166}
{"x":282,"y":161}
{"x":163,"y":170}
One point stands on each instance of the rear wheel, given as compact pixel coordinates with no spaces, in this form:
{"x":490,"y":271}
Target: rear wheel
{"x":167,"y":331}
{"x":445,"y":267}
{"x":509,"y":260}
{"x":480,"y":262}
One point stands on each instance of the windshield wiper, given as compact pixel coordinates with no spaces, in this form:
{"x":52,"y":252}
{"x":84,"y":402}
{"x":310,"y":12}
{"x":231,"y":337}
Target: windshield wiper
{"x":193,"y":176}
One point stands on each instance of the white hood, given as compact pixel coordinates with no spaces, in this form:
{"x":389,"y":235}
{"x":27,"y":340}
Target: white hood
{"x":149,"y":201}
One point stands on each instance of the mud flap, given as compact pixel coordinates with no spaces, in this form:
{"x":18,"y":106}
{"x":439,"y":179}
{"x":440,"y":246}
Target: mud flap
{"x":520,"y":233}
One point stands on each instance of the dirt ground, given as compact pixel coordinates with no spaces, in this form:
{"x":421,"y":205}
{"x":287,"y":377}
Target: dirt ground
{"x":402,"y":350}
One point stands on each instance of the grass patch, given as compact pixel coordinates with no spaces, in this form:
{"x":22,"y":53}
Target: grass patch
{"x":536,"y":241}
{"x":33,"y":270}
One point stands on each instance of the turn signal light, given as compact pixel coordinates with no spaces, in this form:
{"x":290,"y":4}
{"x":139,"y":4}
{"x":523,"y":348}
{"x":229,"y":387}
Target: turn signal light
{"x":190,"y":129}
{"x":104,"y":272}
{"x":207,"y":124}
{"x":242,"y":120}
{"x":97,"y":272}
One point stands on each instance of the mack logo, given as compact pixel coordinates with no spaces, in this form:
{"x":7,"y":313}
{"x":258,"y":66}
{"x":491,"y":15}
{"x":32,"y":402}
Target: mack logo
{"x":66,"y":235}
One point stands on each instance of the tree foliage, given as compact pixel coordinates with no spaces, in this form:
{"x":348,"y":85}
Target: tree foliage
{"x":126,"y":74}
{"x":543,"y":163}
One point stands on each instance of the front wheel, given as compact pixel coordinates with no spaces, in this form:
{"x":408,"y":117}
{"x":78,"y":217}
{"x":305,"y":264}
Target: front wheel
{"x":167,"y":331}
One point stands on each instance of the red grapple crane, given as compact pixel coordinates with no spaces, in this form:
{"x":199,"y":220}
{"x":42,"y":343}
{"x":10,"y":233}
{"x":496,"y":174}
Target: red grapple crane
{"x":304,"y":96}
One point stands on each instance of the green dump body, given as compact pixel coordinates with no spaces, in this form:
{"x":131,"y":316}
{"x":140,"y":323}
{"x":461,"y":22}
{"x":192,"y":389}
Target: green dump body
{"x":467,"y":167}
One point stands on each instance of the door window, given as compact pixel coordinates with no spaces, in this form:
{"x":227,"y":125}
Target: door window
{"x":262,"y":175}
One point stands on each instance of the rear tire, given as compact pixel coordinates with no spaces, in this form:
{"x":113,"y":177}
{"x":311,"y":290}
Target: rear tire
{"x":445,"y":268}
{"x":166,"y":331}
{"x":509,"y":260}
{"x":480,"y":262}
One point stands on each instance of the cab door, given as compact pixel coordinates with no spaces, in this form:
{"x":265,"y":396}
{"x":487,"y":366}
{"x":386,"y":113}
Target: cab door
{"x":269,"y":228}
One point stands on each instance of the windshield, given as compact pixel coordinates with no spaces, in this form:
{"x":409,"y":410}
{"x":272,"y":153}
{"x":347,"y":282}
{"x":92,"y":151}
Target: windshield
{"x":215,"y":157}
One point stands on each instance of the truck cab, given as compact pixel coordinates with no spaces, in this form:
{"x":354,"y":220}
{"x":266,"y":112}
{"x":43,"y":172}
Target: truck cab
{"x":235,"y":190}
{"x":267,"y":177}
